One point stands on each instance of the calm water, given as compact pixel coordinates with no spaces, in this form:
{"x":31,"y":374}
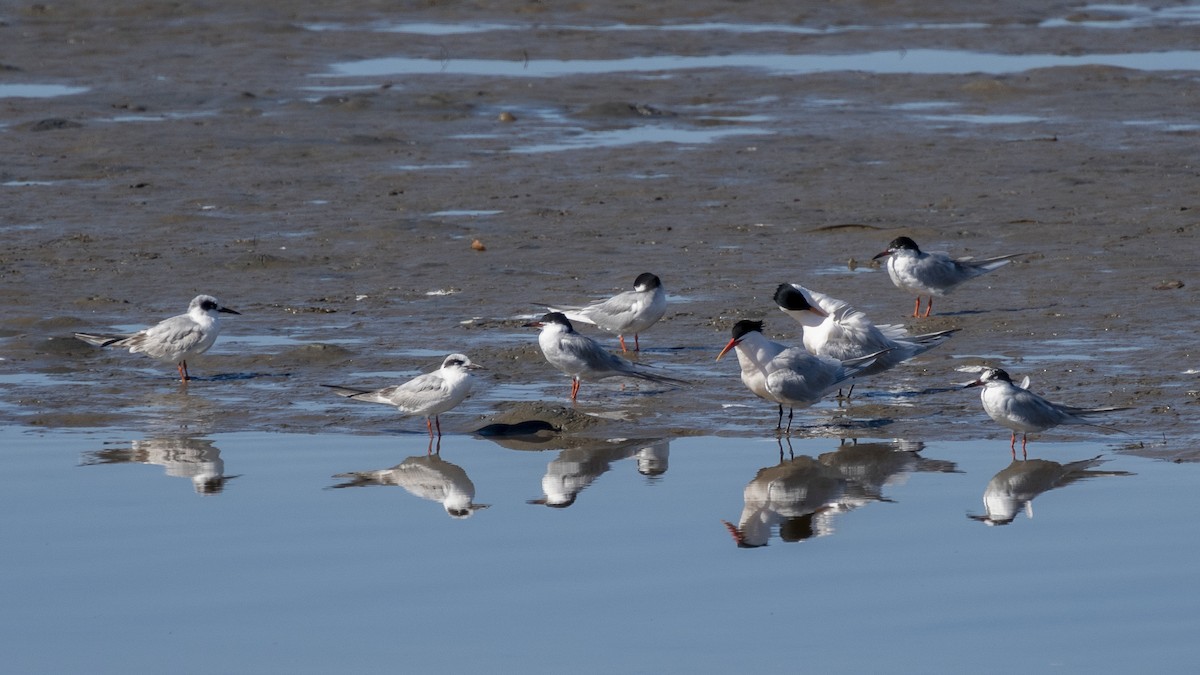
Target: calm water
{"x":122,"y":555}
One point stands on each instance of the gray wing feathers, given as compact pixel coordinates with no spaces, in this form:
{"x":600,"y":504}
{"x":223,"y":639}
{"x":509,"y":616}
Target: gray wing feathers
{"x":419,"y":392}
{"x":602,"y":363}
{"x":169,"y":338}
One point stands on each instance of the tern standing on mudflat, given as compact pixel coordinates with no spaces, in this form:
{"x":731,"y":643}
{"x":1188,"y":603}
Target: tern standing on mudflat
{"x":835,"y":329}
{"x":787,"y":375}
{"x":582,"y":357}
{"x":933,"y":273}
{"x":173,"y":340}
{"x":1015,"y":407}
{"x":428,"y":395}
{"x":624,"y":313}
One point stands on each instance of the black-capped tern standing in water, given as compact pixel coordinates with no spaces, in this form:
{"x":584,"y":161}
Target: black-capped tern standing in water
{"x":428,"y":395}
{"x":582,"y":357}
{"x":788,"y":375}
{"x":933,"y":273}
{"x":630,"y":312}
{"x":1018,"y":409}
{"x":835,"y":329}
{"x":173,"y":340}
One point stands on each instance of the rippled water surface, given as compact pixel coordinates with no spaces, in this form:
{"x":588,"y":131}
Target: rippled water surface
{"x":144,"y":550}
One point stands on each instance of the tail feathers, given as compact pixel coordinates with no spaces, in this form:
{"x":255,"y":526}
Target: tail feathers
{"x":575,"y":315}
{"x":932,"y":339}
{"x":923,"y":343}
{"x":100,"y":340}
{"x":1094,"y":411}
{"x":358,"y":478}
{"x":989,"y":264}
{"x":1080,"y":415}
{"x":861,"y":363}
{"x":359,"y":394}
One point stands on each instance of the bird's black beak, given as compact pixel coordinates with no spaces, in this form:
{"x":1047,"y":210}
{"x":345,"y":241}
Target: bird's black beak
{"x":226,"y":310}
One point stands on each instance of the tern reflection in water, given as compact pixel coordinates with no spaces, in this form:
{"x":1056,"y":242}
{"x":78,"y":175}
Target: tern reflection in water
{"x":576,"y":468}
{"x":871,"y":466}
{"x":1015,"y":487}
{"x":789,"y":496}
{"x":427,"y":476}
{"x":181,"y":456}
{"x":801,"y":495}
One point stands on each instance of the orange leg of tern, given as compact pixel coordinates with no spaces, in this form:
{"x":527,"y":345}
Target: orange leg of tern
{"x":637,"y":347}
{"x":429,"y":426}
{"x":917,"y":307}
{"x":574,"y":388}
{"x":929,"y":307}
{"x":622,"y":339}
{"x":183,"y":371}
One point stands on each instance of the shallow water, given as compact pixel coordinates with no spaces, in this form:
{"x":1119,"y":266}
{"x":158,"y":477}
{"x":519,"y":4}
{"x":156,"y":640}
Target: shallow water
{"x":916,"y":61}
{"x":38,"y":90}
{"x":119,"y":546}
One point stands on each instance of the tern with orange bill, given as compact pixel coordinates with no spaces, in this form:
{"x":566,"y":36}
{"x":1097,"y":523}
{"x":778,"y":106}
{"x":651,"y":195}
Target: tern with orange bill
{"x":788,"y":375}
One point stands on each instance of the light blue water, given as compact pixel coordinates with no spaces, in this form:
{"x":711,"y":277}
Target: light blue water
{"x":1101,"y":15}
{"x":38,"y":90}
{"x":917,"y":61}
{"x":110,"y":550}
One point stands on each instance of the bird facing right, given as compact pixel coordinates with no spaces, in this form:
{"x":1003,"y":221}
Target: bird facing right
{"x":1018,"y":409}
{"x":933,"y":273}
{"x":173,"y":340}
{"x":626,"y":312}
{"x":428,"y":395}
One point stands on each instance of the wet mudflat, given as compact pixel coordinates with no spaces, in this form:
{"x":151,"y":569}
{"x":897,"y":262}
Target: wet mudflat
{"x":374,"y":188}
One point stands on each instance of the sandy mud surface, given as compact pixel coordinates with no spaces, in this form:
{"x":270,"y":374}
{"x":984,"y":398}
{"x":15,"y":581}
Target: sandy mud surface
{"x":268,"y":153}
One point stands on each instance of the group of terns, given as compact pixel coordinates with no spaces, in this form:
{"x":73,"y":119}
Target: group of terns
{"x":840,"y":345}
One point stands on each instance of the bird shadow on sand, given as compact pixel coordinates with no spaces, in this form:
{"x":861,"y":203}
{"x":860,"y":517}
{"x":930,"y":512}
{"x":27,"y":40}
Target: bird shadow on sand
{"x":995,"y":310}
{"x":228,"y":377}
